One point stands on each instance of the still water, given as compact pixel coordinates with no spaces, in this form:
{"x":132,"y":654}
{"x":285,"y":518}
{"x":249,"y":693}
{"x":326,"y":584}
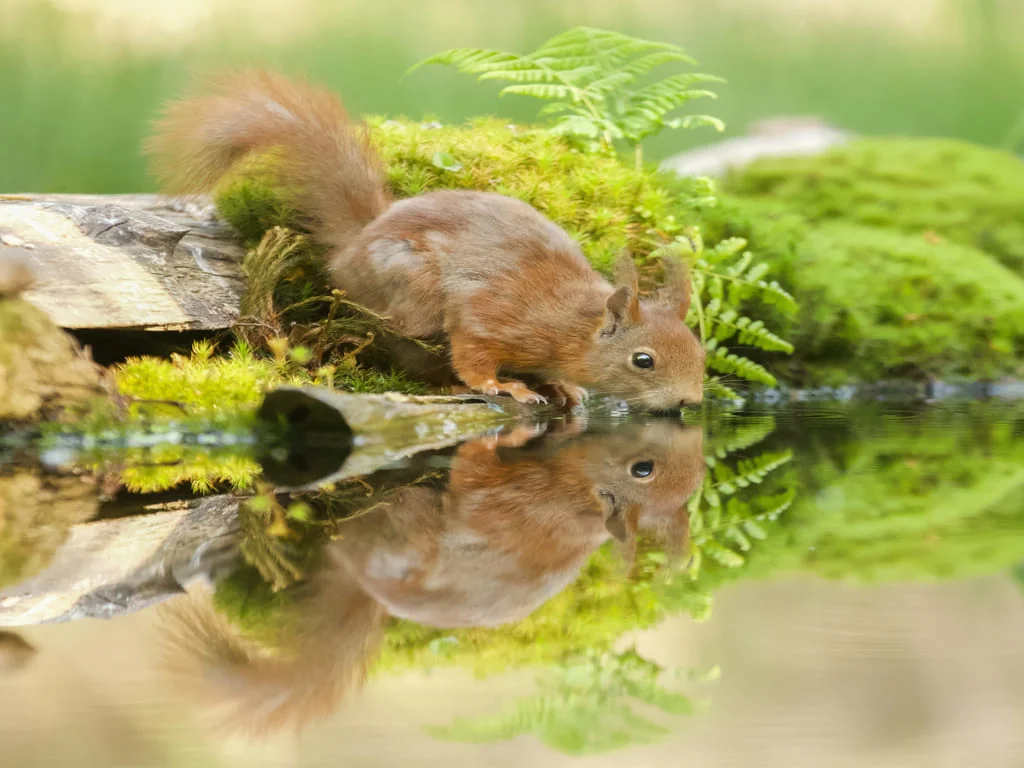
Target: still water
{"x":810,"y":584}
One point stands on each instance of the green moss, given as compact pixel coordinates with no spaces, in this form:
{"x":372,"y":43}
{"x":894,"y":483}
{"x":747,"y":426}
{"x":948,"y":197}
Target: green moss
{"x":252,"y":605}
{"x":878,"y":304}
{"x":208,"y":385}
{"x":41,"y":369}
{"x":969,"y":194}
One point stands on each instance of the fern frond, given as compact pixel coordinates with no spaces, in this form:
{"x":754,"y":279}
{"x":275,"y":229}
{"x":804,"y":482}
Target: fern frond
{"x":723,"y":361}
{"x":689,"y":122}
{"x":577,"y":125}
{"x":774,"y":293}
{"x":753,"y":332}
{"x":715,"y":388}
{"x":541,"y":91}
{"x":756,"y":469}
{"x":597,"y":69}
{"x":473,"y":60}
{"x":745,"y":434}
{"x":661,"y":97}
{"x":644,"y":64}
{"x":609,"y":84}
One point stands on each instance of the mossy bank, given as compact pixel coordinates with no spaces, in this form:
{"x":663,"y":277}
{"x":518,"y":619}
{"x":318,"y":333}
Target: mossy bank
{"x":906,"y":255}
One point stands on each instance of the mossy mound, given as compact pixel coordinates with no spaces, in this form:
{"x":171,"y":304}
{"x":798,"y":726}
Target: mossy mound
{"x":605,"y":204}
{"x":878,"y":304}
{"x":965,"y":193}
{"x":40,"y":367}
{"x":906,"y":257}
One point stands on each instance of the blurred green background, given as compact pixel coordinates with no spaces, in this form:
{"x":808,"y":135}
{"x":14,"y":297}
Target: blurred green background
{"x":80,"y":79}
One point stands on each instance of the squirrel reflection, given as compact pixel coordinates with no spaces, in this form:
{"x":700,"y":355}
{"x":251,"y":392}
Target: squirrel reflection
{"x":510,"y":529}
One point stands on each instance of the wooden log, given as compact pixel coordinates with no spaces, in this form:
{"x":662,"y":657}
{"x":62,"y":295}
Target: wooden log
{"x":339,"y":435}
{"x":142,"y":262}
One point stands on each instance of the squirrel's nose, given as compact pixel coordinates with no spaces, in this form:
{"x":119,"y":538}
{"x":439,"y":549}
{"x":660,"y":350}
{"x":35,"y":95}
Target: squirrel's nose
{"x":692,"y":398}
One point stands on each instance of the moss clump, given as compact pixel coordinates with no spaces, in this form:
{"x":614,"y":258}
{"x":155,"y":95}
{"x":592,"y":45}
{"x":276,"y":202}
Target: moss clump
{"x":209,"y":385}
{"x":965,"y":193}
{"x":892,"y":248}
{"x":877,"y":304}
{"x":40,"y":367}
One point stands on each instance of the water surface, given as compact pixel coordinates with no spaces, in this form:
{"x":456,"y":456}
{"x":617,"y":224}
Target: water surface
{"x":809,"y":584}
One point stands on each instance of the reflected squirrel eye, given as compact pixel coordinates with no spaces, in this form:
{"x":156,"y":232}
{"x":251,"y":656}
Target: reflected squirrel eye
{"x":643,"y":360}
{"x":642,"y":468}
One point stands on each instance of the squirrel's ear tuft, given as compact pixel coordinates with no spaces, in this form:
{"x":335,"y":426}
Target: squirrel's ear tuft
{"x":627,"y":284}
{"x":615,"y":523}
{"x":616,"y":311}
{"x":623,"y":525}
{"x":677,"y":290}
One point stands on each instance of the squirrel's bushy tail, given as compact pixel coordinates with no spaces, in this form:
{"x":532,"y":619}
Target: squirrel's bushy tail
{"x":325,"y":162}
{"x":245,"y":687}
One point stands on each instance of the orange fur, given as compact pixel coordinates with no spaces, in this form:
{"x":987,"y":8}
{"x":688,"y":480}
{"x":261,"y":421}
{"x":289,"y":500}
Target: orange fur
{"x":511,"y":289}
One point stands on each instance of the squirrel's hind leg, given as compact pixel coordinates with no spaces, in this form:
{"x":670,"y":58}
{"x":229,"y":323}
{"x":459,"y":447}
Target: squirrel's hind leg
{"x":475,"y":364}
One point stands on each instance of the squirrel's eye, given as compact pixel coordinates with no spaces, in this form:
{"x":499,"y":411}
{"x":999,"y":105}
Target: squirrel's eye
{"x":643,"y":360}
{"x":642,"y":468}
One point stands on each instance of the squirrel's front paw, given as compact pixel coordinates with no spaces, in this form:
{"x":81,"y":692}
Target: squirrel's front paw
{"x":568,"y":394}
{"x":522,"y":393}
{"x":519,"y":391}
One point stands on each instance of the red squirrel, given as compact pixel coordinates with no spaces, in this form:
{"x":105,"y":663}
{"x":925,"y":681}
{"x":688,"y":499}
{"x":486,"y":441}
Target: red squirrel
{"x":510,"y":289}
{"x":506,"y":533}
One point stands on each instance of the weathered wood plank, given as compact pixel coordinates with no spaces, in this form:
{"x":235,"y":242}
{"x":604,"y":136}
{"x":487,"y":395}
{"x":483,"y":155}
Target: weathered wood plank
{"x":125,"y":261}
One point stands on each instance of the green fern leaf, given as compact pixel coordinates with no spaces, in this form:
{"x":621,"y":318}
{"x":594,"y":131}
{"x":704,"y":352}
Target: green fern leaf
{"x":724,"y":361}
{"x":716,"y":389}
{"x":609,"y":84}
{"x":577,"y":125}
{"x":556,"y":108}
{"x":644,"y":64}
{"x":722,"y":555}
{"x":689,"y":122}
{"x":471,"y":60}
{"x":659,"y":98}
{"x":754,"y":531}
{"x":521,"y":76}
{"x":754,"y":470}
{"x":541,"y":91}
{"x":776,"y":294}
